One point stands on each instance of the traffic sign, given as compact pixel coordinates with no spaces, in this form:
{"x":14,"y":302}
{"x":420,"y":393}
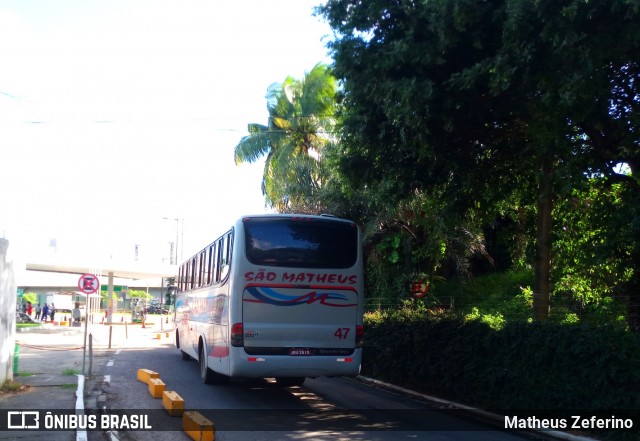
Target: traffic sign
{"x":88,"y":283}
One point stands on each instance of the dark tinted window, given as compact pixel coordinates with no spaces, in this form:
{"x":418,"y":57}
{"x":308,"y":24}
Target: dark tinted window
{"x":301,"y":242}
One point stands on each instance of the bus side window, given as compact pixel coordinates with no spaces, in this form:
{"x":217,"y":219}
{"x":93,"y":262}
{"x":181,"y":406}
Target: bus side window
{"x":216,"y":263}
{"x":192,"y":278}
{"x":225,"y":256}
{"x":213,"y":262}
{"x":185,"y":276}
{"x":207,"y":266}
{"x":201,"y":268}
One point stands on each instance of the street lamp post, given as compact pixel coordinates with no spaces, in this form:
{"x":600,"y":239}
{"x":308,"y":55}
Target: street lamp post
{"x":174,"y":254}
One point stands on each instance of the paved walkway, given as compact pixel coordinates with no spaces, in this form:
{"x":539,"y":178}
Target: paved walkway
{"x":50,"y":360}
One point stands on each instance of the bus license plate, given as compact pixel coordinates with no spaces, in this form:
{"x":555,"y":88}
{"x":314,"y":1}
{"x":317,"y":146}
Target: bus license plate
{"x":299,"y":351}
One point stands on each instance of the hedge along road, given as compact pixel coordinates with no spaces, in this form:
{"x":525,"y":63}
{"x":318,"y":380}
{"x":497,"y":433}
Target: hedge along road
{"x":322,"y":409}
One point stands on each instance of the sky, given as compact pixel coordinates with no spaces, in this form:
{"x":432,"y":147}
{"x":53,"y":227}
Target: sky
{"x":118,"y":117}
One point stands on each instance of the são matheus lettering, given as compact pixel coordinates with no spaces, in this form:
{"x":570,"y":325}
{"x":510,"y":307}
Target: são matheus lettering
{"x":307,"y":278}
{"x":575,"y":422}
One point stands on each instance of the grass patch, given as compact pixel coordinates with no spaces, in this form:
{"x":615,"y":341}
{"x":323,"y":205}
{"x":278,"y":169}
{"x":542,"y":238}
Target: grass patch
{"x":71,"y":386}
{"x":10,"y":386}
{"x":70,"y":371}
{"x":27,"y":325}
{"x":24,"y":374}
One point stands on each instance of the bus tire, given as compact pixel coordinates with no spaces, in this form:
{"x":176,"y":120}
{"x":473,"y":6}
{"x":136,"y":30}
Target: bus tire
{"x":183,"y":354}
{"x":206,"y":375}
{"x":290,"y":381}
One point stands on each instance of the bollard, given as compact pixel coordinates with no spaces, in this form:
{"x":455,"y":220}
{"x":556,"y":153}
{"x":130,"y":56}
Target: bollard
{"x":145,"y":375}
{"x":110,"y":331}
{"x":197,"y":427}
{"x":16,"y":350}
{"x":90,"y":353}
{"x":156,"y":387}
{"x":173,"y":403}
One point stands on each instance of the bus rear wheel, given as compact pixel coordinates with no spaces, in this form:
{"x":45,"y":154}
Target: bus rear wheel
{"x":206,"y":375}
{"x":290,"y":381}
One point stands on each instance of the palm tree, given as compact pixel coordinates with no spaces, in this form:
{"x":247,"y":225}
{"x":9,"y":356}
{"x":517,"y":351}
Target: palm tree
{"x":300,"y":125}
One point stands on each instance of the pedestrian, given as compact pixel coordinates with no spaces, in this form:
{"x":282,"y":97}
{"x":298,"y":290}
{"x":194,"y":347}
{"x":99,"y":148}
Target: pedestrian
{"x":45,"y":313}
{"x":38,"y":311}
{"x":24,"y":307}
{"x":76,"y":315}
{"x":29,"y":309}
{"x":53,"y":311}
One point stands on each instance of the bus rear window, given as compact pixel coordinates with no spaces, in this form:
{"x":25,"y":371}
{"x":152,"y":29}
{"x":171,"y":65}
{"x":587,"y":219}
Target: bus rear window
{"x":301,"y":242}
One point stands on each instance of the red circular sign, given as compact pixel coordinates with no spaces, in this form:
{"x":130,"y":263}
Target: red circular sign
{"x":88,"y":283}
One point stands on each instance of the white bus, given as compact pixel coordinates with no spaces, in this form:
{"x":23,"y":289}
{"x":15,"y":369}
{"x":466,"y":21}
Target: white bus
{"x":277,"y":296}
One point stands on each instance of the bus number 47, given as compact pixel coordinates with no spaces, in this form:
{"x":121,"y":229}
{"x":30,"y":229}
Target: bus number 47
{"x":342,"y":333}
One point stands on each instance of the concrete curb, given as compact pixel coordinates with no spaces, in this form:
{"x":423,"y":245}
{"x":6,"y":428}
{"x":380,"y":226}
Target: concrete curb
{"x":484,"y":414}
{"x":81,"y":434}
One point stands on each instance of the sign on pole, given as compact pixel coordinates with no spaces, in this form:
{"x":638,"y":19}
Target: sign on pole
{"x":88,"y":283}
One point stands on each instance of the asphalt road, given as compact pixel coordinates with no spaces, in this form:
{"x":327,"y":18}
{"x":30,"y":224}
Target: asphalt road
{"x":322,"y":409}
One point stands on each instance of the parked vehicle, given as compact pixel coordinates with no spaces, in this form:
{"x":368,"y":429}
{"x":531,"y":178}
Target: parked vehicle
{"x":157,"y":310}
{"x":21,"y":317}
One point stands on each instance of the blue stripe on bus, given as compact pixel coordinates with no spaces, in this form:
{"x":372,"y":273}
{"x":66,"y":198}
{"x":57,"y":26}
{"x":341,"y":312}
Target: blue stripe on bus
{"x":269,"y":296}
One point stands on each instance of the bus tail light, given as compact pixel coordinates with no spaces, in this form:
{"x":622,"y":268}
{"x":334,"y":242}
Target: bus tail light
{"x":359,"y":336}
{"x":237,"y":335}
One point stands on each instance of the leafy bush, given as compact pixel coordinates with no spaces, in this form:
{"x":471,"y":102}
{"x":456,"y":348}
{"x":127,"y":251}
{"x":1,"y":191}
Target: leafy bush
{"x":521,"y":366}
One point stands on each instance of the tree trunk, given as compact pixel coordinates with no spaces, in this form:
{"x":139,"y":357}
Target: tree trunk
{"x":542,"y":287}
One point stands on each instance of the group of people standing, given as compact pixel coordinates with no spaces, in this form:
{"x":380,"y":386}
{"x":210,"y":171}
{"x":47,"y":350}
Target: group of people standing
{"x":42,"y":313}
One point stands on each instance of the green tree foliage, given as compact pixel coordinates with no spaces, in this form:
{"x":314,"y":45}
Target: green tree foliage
{"x":301,"y":124}
{"x":417,"y":240}
{"x":30,"y":297}
{"x":480,"y":104}
{"x":590,"y":268}
{"x":139,"y":293}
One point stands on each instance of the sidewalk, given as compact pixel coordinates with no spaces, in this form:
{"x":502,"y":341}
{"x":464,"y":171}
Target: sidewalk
{"x":50,"y":365}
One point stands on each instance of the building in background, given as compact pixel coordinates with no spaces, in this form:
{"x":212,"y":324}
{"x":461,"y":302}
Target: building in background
{"x":62,"y":289}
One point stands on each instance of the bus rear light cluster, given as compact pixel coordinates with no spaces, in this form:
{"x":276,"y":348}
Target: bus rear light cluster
{"x":359,"y":336}
{"x":237,"y":335}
